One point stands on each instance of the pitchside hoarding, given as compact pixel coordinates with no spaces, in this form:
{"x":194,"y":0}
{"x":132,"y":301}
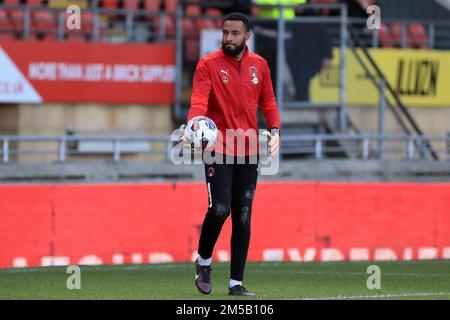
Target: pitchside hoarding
{"x":420,"y":77}
{"x":36,"y":72}
{"x":45,"y":225}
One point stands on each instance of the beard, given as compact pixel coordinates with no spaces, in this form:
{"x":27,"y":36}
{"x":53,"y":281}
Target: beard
{"x":233,"y":51}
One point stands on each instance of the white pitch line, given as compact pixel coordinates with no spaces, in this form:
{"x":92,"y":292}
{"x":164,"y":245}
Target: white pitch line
{"x":144,"y":267}
{"x":354,"y":273}
{"x":100,"y":268}
{"x":380,"y":296}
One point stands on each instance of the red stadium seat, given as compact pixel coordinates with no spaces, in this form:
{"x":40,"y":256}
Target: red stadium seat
{"x":417,"y":36}
{"x":385,"y":37}
{"x":87,"y":20}
{"x":193,"y":10}
{"x":152,"y":5}
{"x":110,"y":4}
{"x":216,"y":15}
{"x":34,"y":2}
{"x":43,"y":20}
{"x":213,"y":12}
{"x":11,"y":1}
{"x":204,"y":23}
{"x":169,"y":26}
{"x":396,"y":31}
{"x":131,"y":4}
{"x":5,"y":22}
{"x":16,"y":16}
{"x":171,"y":5}
{"x":188,"y":26}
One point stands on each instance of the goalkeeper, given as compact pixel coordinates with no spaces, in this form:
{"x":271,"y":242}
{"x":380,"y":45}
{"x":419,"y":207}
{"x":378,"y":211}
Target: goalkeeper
{"x":228,"y":86}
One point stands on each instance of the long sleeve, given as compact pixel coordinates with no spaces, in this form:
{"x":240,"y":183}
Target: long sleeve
{"x":267,"y":101}
{"x":201,"y":89}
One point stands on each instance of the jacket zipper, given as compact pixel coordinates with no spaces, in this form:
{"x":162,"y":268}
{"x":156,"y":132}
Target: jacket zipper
{"x":240,"y":88}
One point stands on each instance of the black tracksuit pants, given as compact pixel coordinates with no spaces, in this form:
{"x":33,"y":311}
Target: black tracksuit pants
{"x":231,"y":187}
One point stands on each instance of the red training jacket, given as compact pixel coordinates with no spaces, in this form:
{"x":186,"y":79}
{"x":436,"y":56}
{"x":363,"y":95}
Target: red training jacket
{"x":229,"y":92}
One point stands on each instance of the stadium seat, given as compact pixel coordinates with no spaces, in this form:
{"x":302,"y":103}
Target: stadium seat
{"x":152,"y":5}
{"x":216,"y":15}
{"x":171,"y":6}
{"x":16,"y":17}
{"x":5,"y":22}
{"x":213,"y":12}
{"x":110,"y":4}
{"x":169,"y":26}
{"x":204,"y":23}
{"x":417,"y":36}
{"x":188,"y":26}
{"x":11,"y":1}
{"x":131,"y":4}
{"x":87,"y":21}
{"x":385,"y":37}
{"x":43,"y":20}
{"x":396,"y":31}
{"x":193,"y":10}
{"x":34,"y":2}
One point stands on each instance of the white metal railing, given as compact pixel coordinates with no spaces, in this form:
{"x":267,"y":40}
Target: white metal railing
{"x":366,"y":146}
{"x":64,"y":146}
{"x":319,"y":147}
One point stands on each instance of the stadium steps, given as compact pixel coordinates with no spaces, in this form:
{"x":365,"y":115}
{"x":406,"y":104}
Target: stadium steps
{"x":301,"y":121}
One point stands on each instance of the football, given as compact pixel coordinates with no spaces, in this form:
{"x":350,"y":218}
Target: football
{"x":201,"y":131}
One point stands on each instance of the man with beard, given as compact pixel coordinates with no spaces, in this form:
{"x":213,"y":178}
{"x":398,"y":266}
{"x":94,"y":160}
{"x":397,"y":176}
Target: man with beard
{"x":228,"y":86}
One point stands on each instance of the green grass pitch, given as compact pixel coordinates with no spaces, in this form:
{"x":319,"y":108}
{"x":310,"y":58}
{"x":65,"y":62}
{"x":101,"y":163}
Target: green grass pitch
{"x":269,"y":280}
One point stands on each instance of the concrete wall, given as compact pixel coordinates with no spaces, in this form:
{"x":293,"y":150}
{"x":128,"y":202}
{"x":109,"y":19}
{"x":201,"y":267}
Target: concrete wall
{"x":82,"y":119}
{"x":306,"y":170}
{"x":432,"y":120}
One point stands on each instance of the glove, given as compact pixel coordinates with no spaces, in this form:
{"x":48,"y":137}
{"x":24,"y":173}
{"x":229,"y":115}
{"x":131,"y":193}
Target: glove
{"x":186,"y":141}
{"x":274,"y":142}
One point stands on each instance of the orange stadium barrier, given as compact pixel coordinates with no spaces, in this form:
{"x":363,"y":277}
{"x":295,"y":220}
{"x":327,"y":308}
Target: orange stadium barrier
{"x":43,"y":225}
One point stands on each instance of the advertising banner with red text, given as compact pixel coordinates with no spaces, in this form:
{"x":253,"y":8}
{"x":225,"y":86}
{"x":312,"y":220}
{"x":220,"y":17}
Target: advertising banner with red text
{"x":36,"y":72}
{"x":44,"y":225}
